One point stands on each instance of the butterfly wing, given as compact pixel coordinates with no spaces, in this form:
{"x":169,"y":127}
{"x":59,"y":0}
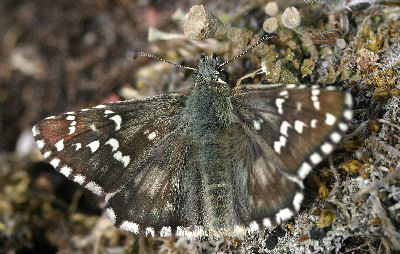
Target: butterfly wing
{"x":289,"y":130}
{"x":161,"y":197}
{"x":101,"y":148}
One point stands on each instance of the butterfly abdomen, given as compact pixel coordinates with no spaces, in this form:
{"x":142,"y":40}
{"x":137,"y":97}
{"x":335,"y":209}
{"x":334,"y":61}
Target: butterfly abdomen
{"x":217,"y":187}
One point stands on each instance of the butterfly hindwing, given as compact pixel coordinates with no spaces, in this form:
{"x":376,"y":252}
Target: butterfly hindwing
{"x":149,"y":202}
{"x":78,"y":143}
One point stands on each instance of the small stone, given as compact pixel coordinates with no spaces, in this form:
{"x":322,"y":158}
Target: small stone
{"x":270,"y":25}
{"x":317,"y":233}
{"x":291,"y":18}
{"x":271,"y":8}
{"x":271,"y":242}
{"x":279,"y":232}
{"x":341,"y":43}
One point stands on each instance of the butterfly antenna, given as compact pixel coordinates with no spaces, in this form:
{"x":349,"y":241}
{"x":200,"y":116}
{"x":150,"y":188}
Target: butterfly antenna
{"x":264,"y":38}
{"x":141,"y":53}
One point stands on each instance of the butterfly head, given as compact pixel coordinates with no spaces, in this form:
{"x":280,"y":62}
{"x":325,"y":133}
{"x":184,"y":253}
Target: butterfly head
{"x":209,"y":73}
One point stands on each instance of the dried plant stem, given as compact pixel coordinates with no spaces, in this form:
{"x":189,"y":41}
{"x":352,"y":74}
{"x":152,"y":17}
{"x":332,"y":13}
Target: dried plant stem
{"x":388,"y":229}
{"x":390,"y":177}
{"x":356,"y":131}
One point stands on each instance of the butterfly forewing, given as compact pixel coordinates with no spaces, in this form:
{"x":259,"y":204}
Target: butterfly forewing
{"x":289,"y":130}
{"x":297,"y":128}
{"x":102,"y":147}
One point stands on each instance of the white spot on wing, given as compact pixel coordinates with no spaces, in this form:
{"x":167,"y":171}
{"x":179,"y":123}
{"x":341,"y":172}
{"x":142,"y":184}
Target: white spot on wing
{"x":65,"y":171}
{"x":348,"y":100}
{"x":94,"y":146}
{"x":77,"y":146}
{"x":94,"y":187}
{"x":110,"y":213}
{"x":54,"y":162}
{"x":40,"y":144}
{"x":108,"y":112}
{"x":279,"y":102}
{"x":298,"y":126}
{"x":315,"y":92}
{"x":267,"y":223}
{"x":343,"y":127}
{"x":118,"y":120}
{"x":46,"y":154}
{"x":330,"y":119}
{"x":284,"y":214}
{"x":257,"y":125}
{"x":100,"y":106}
{"x":70,"y":118}
{"x":315,"y":158}
{"x":93,"y":127}
{"x":150,"y":231}
{"x":165,"y":232}
{"x":284,"y":128}
{"x":253,"y":227}
{"x":59,"y":145}
{"x":314,"y":123}
{"x":113,"y":143}
{"x":180,"y":231}
{"x":304,"y":169}
{"x":298,"y":198}
{"x":348,"y":114}
{"x":78,"y":178}
{"x":124,"y":159}
{"x":316,"y":105}
{"x":130,"y":226}
{"x":35,"y":131}
{"x":299,"y":106}
{"x":152,"y":135}
{"x":335,"y":137}
{"x":71,"y":129}
{"x":327,"y":148}
{"x":110,"y":195}
{"x":279,"y":144}
{"x":284,"y":93}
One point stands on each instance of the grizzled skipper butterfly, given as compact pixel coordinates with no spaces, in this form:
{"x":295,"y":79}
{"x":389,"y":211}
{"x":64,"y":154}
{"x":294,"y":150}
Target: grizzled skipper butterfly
{"x":218,"y":161}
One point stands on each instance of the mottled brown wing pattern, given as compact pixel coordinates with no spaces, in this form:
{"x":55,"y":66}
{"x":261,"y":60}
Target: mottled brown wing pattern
{"x":292,"y":129}
{"x":101,"y":148}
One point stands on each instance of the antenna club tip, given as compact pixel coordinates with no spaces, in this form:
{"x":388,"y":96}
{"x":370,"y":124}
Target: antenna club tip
{"x":270,"y":35}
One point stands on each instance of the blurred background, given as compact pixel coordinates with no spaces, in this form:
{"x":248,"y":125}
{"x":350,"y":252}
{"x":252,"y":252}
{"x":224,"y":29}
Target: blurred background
{"x":60,"y":55}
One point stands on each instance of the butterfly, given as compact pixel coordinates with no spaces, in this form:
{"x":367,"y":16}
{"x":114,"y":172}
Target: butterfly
{"x":217,"y":161}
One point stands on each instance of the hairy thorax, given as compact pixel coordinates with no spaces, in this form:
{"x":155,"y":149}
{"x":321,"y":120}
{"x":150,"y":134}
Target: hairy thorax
{"x":208,"y":111}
